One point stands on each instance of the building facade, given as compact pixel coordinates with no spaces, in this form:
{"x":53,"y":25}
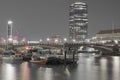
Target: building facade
{"x":56,"y":39}
{"x":107,"y":36}
{"x":78,"y":21}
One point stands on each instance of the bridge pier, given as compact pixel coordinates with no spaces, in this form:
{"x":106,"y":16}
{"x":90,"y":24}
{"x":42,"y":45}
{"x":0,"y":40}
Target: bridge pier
{"x":69,"y":54}
{"x":65,"y":53}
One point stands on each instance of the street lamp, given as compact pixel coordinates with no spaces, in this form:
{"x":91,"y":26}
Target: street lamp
{"x":10,"y":22}
{"x":65,"y":39}
{"x":48,"y":39}
{"x":24,"y":39}
{"x":40,"y":40}
{"x":56,"y":40}
{"x":10,"y":39}
{"x":74,"y":40}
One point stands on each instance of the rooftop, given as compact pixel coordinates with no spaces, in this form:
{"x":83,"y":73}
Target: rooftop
{"x":109,"y":31}
{"x":78,"y":3}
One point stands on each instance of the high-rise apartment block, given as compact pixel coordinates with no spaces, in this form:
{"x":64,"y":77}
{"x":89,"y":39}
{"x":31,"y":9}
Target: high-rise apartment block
{"x":78,"y":21}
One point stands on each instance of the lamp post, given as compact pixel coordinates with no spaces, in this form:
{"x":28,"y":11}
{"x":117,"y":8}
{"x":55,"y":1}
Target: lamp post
{"x":74,"y":40}
{"x":65,"y":39}
{"x":48,"y":39}
{"x":9,"y":35}
{"x":56,"y":41}
{"x":40,"y":40}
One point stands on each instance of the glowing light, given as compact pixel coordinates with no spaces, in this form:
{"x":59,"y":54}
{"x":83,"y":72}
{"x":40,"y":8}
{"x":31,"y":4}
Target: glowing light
{"x":24,"y":39}
{"x":33,"y":41}
{"x":41,"y":40}
{"x":4,"y":40}
{"x":10,"y":39}
{"x":27,"y":47}
{"x":103,"y":42}
{"x":116,"y":41}
{"x":94,"y":37}
{"x":65,"y":39}
{"x":48,"y":39}
{"x":88,"y":40}
{"x":10,"y":22}
{"x":56,"y":40}
{"x":74,"y":40}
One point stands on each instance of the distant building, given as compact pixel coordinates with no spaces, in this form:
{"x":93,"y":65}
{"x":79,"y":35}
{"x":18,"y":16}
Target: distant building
{"x":55,"y":39}
{"x":78,"y":21}
{"x":107,"y":36}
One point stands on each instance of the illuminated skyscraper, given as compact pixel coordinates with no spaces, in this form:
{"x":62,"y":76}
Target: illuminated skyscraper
{"x":78,"y":21}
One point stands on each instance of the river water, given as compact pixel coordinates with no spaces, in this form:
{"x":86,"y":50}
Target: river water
{"x":88,"y":68}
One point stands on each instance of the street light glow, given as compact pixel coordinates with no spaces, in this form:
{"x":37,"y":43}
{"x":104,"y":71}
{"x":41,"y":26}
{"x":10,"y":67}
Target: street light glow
{"x":41,"y":40}
{"x":48,"y":39}
{"x":10,"y":22}
{"x":65,"y":39}
{"x":10,"y":39}
{"x":56,"y":40}
{"x":74,"y":40}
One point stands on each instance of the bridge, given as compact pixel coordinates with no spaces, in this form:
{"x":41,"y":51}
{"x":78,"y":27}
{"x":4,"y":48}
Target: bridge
{"x":70,"y":50}
{"x":106,"y":48}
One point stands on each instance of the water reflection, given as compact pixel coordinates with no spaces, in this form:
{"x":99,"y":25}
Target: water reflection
{"x":8,"y":72}
{"x":116,"y":68}
{"x":88,"y":68}
{"x":108,"y":68}
{"x":25,"y":72}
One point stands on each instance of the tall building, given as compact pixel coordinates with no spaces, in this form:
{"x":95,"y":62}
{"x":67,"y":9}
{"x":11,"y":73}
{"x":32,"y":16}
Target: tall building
{"x":78,"y":21}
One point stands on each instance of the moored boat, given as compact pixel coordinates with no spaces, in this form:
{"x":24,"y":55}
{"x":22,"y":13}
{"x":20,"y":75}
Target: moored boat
{"x":11,"y":55}
{"x":8,"y":55}
{"x":42,"y":62}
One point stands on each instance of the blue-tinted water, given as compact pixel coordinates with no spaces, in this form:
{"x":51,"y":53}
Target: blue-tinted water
{"x":88,"y":68}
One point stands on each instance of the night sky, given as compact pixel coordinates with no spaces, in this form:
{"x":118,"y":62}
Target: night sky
{"x":37,"y":19}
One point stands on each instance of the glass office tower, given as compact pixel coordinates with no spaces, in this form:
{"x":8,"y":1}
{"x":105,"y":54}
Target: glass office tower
{"x":78,"y":21}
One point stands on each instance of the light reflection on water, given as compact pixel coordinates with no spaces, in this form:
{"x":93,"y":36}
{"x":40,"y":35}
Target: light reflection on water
{"x":9,"y":71}
{"x":88,"y":68}
{"x":116,"y":68}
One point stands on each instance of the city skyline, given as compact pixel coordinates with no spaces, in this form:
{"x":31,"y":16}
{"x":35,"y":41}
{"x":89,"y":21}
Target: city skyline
{"x":47,"y":18}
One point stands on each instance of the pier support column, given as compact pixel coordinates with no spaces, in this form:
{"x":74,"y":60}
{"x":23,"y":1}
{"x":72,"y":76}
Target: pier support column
{"x":65,"y":52}
{"x":73,"y":56}
{"x":74,"y":52}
